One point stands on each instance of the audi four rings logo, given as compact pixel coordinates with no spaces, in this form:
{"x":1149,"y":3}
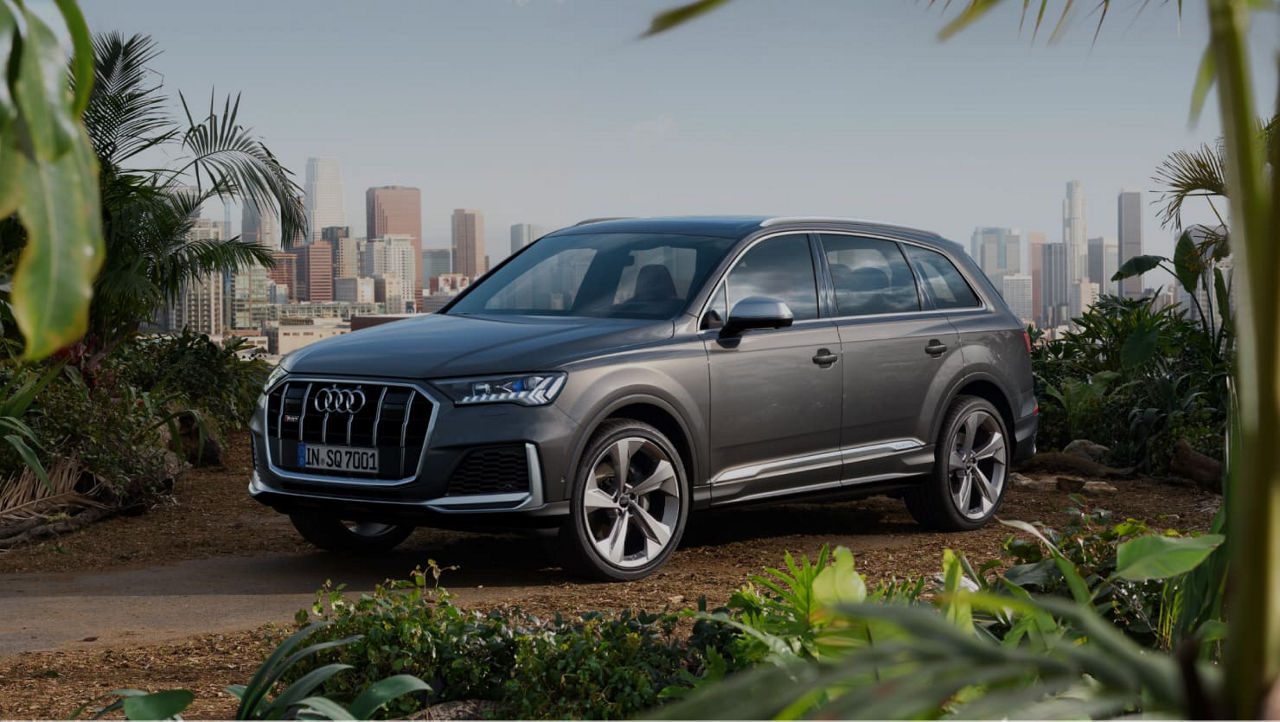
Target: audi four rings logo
{"x":334,"y":400}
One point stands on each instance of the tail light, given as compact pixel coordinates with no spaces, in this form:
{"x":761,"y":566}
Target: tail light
{"x":1026,"y":336}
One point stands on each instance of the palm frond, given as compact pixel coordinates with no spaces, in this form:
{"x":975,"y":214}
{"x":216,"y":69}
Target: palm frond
{"x":125,"y":114}
{"x":1188,"y":174}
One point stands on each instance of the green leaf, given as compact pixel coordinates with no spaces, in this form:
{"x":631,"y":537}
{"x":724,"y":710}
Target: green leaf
{"x":82,"y":60}
{"x":1162,"y":557}
{"x":30,"y":459}
{"x":41,"y":92}
{"x":8,"y":30}
{"x":1222,"y":293}
{"x":972,"y":11}
{"x":322,"y":708}
{"x":304,"y":686}
{"x":158,"y":705}
{"x":1139,"y":347}
{"x":379,"y":693}
{"x":11,"y":162}
{"x":1187,"y":264}
{"x":1137,"y":266}
{"x":54,"y":279}
{"x":838,"y":583}
{"x":675,"y":17}
{"x":1206,"y":74}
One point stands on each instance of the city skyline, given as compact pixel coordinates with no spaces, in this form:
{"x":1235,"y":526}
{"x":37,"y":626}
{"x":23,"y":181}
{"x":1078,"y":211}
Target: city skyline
{"x":559,"y":113}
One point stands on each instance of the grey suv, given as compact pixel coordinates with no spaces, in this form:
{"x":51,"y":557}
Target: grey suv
{"x":617,"y":375}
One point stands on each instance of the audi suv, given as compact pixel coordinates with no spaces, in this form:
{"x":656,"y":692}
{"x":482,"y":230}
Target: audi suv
{"x":614,"y":377}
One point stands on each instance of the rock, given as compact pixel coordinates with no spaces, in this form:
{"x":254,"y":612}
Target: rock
{"x":1094,"y":488}
{"x":457,"y":709}
{"x":1058,"y":462}
{"x":1188,"y":463}
{"x":1086,"y":449}
{"x":677,"y":599}
{"x":1069,"y":485}
{"x":1025,"y":482}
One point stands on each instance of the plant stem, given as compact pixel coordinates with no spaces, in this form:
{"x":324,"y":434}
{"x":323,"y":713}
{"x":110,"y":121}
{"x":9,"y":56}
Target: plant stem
{"x":1253,"y":648}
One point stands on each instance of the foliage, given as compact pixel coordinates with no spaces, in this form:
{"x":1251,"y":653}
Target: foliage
{"x":295,"y":701}
{"x":50,"y":232}
{"x":593,"y":666}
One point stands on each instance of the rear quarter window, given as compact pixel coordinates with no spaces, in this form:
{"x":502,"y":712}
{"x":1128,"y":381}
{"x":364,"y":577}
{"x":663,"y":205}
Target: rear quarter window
{"x":940,"y":281}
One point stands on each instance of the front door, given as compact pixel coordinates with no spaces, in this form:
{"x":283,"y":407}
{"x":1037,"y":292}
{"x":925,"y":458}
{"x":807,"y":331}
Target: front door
{"x":775,"y":394}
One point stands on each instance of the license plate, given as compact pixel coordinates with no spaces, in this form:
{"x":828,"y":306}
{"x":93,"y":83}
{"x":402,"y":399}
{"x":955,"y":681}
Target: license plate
{"x":338,"y":458}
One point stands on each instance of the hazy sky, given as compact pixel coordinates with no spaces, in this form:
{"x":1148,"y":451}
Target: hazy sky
{"x":548,"y":111}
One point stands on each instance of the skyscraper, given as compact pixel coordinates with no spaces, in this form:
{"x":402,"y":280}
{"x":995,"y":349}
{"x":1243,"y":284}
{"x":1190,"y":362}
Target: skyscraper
{"x":1129,"y":217}
{"x":1102,"y":263}
{"x":1016,"y":290}
{"x":1073,"y":233}
{"x":397,"y":210}
{"x":468,"y":242}
{"x":285,"y":272}
{"x":998,"y":252}
{"x":323,"y":199}
{"x":315,"y":272}
{"x":436,"y":262}
{"x":200,"y":303}
{"x":522,"y":234}
{"x":259,"y":227}
{"x":346,"y":254}
{"x":1035,"y":259}
{"x":1055,"y":287}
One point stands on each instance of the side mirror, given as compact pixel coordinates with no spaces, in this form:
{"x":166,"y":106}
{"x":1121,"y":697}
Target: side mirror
{"x":757,"y":312}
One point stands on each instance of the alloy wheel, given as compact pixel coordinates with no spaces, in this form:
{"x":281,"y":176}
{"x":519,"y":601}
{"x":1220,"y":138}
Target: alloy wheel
{"x":631,"y":501}
{"x":977,"y":465}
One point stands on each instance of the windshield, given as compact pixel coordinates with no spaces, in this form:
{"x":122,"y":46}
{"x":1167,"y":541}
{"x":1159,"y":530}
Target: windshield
{"x":601,"y":275}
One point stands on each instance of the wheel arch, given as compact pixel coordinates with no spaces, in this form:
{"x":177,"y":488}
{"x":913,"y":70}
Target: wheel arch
{"x":649,"y":409}
{"x":984,"y":387}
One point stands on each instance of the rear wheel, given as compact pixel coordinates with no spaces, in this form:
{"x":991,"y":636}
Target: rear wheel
{"x":349,"y":537}
{"x":970,"y":470}
{"x":629,"y":505}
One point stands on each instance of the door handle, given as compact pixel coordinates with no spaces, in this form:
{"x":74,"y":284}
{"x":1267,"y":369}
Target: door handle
{"x":824,"y":358}
{"x":935,"y":348}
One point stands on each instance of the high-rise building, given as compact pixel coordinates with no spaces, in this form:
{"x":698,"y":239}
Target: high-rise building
{"x":323,"y":196}
{"x":285,"y":272}
{"x":200,"y":303}
{"x":1055,"y":291}
{"x":389,"y":291}
{"x":468,"y":242}
{"x":1074,"y":231}
{"x":435,"y":262}
{"x":397,"y":210}
{"x":1102,"y":263}
{"x":259,"y":227}
{"x":393,"y":256}
{"x":354,"y":290}
{"x":1110,"y":264}
{"x":998,"y":252}
{"x":522,"y":234}
{"x":346,"y":254}
{"x":1129,"y":218}
{"x":1016,"y":290}
{"x":248,"y":294}
{"x":1035,"y":258}
{"x":315,"y":272}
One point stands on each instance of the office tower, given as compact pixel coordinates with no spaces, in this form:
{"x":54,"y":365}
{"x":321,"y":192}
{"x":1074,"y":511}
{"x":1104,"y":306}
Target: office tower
{"x":393,"y":256}
{"x":1102,"y":263}
{"x":285,"y":272}
{"x":248,"y":293}
{"x":435,"y":262}
{"x":522,"y":234}
{"x":1110,"y":264}
{"x":397,"y":210}
{"x":1035,"y":259}
{"x":468,"y":242}
{"x":389,"y":290}
{"x":199,"y":306}
{"x":1055,"y":286}
{"x":998,"y":252}
{"x":1129,"y":220}
{"x":346,"y":255}
{"x":1084,"y":293}
{"x":354,"y":290}
{"x":1073,"y":233}
{"x":1016,"y":290}
{"x":315,"y":272}
{"x":259,"y":227}
{"x":323,"y":196}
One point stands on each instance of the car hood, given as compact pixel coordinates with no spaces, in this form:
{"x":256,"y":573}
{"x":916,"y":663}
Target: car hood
{"x":440,"y":346}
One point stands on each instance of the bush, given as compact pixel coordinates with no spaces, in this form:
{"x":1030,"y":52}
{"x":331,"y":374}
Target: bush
{"x":593,"y":666}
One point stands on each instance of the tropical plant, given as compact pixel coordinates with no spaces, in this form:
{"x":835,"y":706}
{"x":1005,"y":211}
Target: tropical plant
{"x":50,"y":229}
{"x":1251,"y":661}
{"x":148,"y":213}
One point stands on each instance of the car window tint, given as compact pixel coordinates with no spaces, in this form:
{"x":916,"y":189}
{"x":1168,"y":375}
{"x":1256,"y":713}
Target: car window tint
{"x":781,"y":268}
{"x":648,"y":271}
{"x":870,"y":276}
{"x":939,"y":279}
{"x":550,"y":285}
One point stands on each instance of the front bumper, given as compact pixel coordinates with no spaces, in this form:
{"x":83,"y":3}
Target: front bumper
{"x":424,"y":497}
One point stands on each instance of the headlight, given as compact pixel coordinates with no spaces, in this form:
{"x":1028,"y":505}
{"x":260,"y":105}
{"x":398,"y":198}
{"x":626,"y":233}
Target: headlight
{"x":276,"y":374}
{"x":526,"y":389}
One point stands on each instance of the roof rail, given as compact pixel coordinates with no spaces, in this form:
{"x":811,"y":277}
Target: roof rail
{"x":601,"y":220}
{"x":779,"y":220}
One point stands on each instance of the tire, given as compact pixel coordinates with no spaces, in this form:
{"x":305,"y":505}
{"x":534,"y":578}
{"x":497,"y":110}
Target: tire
{"x":965,"y":489}
{"x":332,"y":534}
{"x":628,"y":531}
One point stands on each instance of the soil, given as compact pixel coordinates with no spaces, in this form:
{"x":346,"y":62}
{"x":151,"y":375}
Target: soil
{"x":179,"y":596}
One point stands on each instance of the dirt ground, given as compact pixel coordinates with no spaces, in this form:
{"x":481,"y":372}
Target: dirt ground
{"x":212,"y":548}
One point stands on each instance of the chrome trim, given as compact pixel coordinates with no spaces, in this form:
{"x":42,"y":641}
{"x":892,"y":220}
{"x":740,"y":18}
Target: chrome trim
{"x":779,"y":220}
{"x":532,"y":499}
{"x":351,"y":481}
{"x":809,"y":462}
{"x":302,"y":416}
{"x":845,"y":483}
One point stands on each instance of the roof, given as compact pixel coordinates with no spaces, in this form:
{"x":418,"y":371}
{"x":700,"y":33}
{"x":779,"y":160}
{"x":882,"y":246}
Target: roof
{"x":740,"y":226}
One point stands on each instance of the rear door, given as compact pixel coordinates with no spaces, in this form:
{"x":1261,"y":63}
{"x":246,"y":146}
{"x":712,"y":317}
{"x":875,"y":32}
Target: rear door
{"x":775,"y":394}
{"x":892,"y":346}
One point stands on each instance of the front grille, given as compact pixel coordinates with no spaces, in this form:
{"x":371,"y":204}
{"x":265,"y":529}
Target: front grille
{"x":493,"y":470}
{"x":393,"y":419}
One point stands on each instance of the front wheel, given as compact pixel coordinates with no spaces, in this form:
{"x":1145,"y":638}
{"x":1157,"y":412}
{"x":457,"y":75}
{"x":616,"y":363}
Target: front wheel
{"x":629,"y":505}
{"x":970,"y":470}
{"x":349,"y":537}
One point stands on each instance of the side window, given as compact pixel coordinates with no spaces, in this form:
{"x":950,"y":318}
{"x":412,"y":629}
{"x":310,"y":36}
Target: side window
{"x":939,"y":279}
{"x":870,"y":276}
{"x":780,"y":267}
